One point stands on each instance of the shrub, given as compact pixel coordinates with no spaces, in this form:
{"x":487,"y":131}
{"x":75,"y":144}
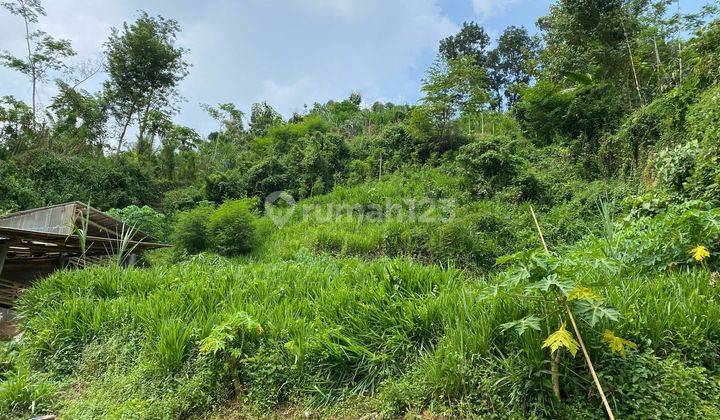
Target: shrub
{"x":541,"y":107}
{"x":232,"y":227}
{"x":144,"y":219}
{"x":650,"y":387}
{"x":222,"y":186}
{"x":190,"y":233}
{"x":704,"y":128}
{"x":675,"y":165}
{"x":489,"y":164}
{"x":181,"y":199}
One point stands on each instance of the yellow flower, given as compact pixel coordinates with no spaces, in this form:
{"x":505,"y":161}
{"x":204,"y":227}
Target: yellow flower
{"x":700,"y":253}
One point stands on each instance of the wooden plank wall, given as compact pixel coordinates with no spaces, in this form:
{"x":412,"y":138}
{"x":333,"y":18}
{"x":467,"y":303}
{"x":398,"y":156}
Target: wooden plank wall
{"x":18,"y":275}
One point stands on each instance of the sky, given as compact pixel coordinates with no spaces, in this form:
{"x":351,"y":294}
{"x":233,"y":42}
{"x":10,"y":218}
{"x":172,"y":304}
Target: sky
{"x":290,"y":53}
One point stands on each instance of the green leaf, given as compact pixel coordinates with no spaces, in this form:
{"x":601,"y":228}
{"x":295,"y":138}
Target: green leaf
{"x":584,"y":293}
{"x":583,"y":79}
{"x":561,"y":339}
{"x":490,"y":292}
{"x":552,"y":280}
{"x":522,"y":325}
{"x":594,"y":311}
{"x":617,"y":344}
{"x":512,"y":278}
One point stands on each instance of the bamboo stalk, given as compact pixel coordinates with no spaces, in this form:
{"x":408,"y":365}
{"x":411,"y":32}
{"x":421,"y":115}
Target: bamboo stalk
{"x":577,"y":332}
{"x":632,"y":65}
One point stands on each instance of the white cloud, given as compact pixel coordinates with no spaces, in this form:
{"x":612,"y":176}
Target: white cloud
{"x":284,"y":51}
{"x":294,"y":53}
{"x":489,"y":8}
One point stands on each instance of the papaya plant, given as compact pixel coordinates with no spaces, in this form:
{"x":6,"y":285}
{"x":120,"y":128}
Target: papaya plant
{"x":230,"y":340}
{"x":557,"y":282}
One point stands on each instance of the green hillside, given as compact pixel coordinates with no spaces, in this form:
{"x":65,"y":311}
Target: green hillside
{"x":549,"y":212}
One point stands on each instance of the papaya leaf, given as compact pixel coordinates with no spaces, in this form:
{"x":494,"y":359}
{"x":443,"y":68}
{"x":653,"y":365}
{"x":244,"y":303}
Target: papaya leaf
{"x":618,"y":345}
{"x":514,"y":277}
{"x":552,"y":280}
{"x":522,"y":325}
{"x":594,"y":311}
{"x":584,"y":293}
{"x":490,"y":292}
{"x":561,"y":339}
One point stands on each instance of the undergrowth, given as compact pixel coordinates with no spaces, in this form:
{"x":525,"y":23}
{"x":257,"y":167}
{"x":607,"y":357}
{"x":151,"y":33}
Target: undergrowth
{"x":322,"y":331}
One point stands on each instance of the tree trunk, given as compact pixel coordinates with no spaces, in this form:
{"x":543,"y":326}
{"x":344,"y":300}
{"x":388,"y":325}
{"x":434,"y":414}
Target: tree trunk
{"x":143,"y":122}
{"x":658,"y":63}
{"x":381,"y":167}
{"x":124,"y":130}
{"x":232,"y":365}
{"x":632,"y":65}
{"x":555,"y":374}
{"x":679,"y":41}
{"x":31,"y":62}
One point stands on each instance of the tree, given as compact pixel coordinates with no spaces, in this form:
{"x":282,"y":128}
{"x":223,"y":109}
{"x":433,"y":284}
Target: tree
{"x":80,"y":119}
{"x":229,"y":117}
{"x":454,"y":86}
{"x":516,"y":54}
{"x":496,"y":79}
{"x":471,"y":41}
{"x":176,"y":155}
{"x":144,"y":67}
{"x":16,"y":126}
{"x":157,"y":124}
{"x":44,"y":53}
{"x":262,"y":117}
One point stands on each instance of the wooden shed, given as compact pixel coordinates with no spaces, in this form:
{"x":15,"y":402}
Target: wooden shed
{"x":36,"y":242}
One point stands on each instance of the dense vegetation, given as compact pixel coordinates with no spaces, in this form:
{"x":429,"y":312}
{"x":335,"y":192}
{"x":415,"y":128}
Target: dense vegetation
{"x":409,"y":277}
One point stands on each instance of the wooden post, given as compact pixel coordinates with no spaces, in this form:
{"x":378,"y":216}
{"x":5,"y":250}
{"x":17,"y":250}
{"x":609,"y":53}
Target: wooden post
{"x":3,"y":254}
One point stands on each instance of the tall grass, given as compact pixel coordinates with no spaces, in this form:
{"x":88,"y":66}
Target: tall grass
{"x":339,"y":320}
{"x":333,"y":328}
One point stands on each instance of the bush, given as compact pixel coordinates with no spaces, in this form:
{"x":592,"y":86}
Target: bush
{"x":489,"y":164}
{"x":144,"y":219}
{"x":223,"y":186}
{"x":704,"y":128}
{"x":190,"y":233}
{"x":232,"y":227}
{"x":181,"y":199}
{"x":650,"y":387}
{"x":540,"y":109}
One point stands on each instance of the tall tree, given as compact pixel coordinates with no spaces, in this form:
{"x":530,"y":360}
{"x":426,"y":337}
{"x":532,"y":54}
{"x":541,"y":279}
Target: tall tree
{"x":44,"y":53}
{"x":16,"y":126}
{"x":472,"y":41}
{"x":176,"y":157}
{"x":496,"y":79}
{"x":452,"y":87}
{"x":262,"y":117}
{"x":144,"y":67}
{"x":80,"y":120}
{"x":516,"y":55}
{"x":586,"y":36}
{"x":229,"y":116}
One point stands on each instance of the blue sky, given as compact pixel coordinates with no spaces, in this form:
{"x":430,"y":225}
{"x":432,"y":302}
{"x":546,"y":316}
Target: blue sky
{"x":288,"y":52}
